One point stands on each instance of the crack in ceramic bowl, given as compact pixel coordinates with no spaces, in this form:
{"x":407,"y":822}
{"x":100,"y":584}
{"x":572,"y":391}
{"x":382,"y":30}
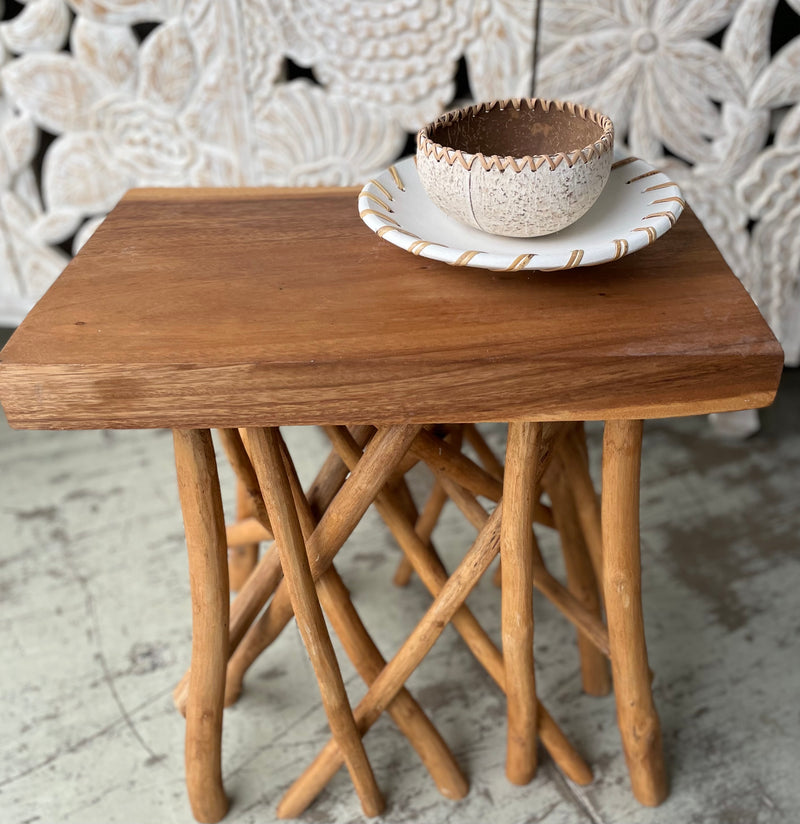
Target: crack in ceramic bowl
{"x":520,"y":167}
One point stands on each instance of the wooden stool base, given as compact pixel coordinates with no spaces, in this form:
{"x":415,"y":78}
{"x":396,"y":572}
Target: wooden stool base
{"x":376,"y":477}
{"x":576,"y":514}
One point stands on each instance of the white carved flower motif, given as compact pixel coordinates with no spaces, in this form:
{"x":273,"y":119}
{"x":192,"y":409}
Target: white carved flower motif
{"x":148,"y":142}
{"x":27,"y":264}
{"x":645,"y":63}
{"x":124,"y":116}
{"x":398,"y":54}
{"x":307,"y":136}
{"x":500,"y":56}
{"x":771,"y":188}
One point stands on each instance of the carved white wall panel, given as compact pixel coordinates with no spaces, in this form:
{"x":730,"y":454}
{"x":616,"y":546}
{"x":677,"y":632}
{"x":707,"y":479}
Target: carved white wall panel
{"x":702,"y":112}
{"x":310,"y":137}
{"x":200,"y":96}
{"x":401,"y":54}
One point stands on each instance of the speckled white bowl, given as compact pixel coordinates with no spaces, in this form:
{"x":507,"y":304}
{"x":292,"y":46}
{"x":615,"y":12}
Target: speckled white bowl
{"x":520,"y":168}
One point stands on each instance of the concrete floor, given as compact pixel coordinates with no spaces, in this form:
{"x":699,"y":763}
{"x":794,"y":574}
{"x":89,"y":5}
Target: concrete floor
{"x":95,"y":631}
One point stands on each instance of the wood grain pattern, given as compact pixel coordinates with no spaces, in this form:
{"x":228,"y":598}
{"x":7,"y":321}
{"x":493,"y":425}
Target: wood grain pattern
{"x":359,"y":332}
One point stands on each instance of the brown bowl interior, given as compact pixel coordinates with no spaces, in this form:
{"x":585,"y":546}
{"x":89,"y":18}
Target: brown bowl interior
{"x":517,"y":132}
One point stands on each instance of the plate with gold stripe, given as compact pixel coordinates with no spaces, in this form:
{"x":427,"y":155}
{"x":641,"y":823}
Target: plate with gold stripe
{"x":638,"y":205}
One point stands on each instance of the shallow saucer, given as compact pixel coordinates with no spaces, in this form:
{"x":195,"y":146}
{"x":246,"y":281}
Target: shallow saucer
{"x":638,"y":205}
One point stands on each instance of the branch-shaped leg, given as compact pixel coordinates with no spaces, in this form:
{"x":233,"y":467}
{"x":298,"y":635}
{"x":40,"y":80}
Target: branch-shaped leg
{"x":516,"y":555}
{"x":242,"y":557}
{"x":581,"y":579}
{"x":434,"y":576}
{"x":261,"y":583}
{"x":636,"y":714}
{"x":204,"y":522}
{"x":425,"y":524}
{"x":575,"y":459}
{"x":489,"y":461}
{"x":585,"y":621}
{"x":430,"y":514}
{"x":367,"y":659}
{"x":265,"y":453}
{"x":338,"y":521}
{"x":392,"y":678}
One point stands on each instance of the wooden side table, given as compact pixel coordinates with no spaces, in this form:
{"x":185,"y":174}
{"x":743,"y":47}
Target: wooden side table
{"x":252,"y":308}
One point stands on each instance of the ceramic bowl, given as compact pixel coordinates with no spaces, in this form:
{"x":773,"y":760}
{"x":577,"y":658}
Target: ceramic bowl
{"x":520,"y":168}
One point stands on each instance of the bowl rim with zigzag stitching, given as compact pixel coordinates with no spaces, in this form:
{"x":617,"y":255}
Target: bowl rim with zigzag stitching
{"x":450,"y":154}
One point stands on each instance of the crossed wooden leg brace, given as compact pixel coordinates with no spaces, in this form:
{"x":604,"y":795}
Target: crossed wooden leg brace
{"x":309,"y":531}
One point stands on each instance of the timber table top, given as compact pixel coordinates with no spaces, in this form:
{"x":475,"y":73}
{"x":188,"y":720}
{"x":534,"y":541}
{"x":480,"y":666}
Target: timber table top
{"x":242,"y":307}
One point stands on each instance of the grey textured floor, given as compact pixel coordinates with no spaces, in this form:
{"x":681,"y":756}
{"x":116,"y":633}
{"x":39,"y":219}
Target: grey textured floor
{"x":95,"y":631}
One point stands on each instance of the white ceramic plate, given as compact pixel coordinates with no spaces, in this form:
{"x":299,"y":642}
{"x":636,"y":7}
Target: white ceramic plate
{"x":637,"y":206}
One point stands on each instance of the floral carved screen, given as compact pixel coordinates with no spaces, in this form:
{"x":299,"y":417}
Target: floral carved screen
{"x":102,"y":95}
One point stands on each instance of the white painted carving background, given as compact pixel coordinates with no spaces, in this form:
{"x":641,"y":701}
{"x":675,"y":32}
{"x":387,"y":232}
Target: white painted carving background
{"x":203,"y":100}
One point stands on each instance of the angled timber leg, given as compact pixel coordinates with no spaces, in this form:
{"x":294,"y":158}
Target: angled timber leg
{"x":265,"y":453}
{"x":339,"y":519}
{"x":433,"y":575}
{"x":201,"y":503}
{"x":427,"y":520}
{"x":367,"y":659}
{"x":242,"y":558}
{"x":423,"y":558}
{"x":425,"y":524}
{"x":265,"y":578}
{"x":636,"y":714}
{"x":448,"y":601}
{"x":581,"y":579}
{"x":575,"y":461}
{"x":489,"y":461}
{"x":402,"y":574}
